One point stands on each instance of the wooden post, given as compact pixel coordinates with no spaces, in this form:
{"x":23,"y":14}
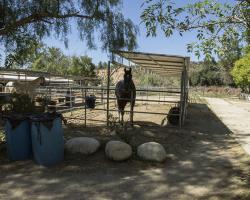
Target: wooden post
{"x":131,"y":109}
{"x":108,"y":88}
{"x":70,"y":100}
{"x":147,"y":98}
{"x":102,"y":91}
{"x":181,"y":100}
{"x":184,"y":96}
{"x":187,"y":62}
{"x":82,"y":95}
{"x":85,"y":108}
{"x":159,"y":97}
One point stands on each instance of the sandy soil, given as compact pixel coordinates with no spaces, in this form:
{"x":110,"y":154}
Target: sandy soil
{"x":204,"y":162}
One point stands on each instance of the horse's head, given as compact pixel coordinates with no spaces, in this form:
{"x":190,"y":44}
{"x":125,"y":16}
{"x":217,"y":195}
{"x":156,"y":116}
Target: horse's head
{"x":127,"y":77}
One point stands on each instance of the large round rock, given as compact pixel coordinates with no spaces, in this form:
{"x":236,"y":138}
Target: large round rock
{"x":152,"y":151}
{"x":118,"y":151}
{"x":84,"y":145}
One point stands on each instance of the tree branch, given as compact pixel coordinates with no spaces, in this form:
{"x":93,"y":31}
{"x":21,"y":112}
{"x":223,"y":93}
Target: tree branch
{"x":230,"y":20}
{"x":36,"y":17}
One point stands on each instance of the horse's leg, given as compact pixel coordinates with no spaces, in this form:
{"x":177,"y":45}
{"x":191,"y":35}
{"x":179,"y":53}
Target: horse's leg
{"x":132,"y":112}
{"x":132,"y":116}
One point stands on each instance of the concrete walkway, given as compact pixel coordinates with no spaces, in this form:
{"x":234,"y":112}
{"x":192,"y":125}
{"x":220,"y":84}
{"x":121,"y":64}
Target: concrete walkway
{"x":236,"y":118}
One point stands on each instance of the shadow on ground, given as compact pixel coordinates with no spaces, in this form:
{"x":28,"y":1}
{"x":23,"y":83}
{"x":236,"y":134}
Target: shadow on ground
{"x":204,"y":162}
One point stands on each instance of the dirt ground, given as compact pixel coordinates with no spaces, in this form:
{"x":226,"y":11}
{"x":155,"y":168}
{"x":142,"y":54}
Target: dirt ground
{"x":204,"y":162}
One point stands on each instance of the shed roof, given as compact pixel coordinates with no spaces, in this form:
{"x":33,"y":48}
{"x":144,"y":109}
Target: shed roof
{"x":158,"y":63}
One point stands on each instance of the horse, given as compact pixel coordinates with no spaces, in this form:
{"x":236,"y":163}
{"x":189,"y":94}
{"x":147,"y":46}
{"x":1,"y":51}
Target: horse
{"x":26,"y":87}
{"x":125,"y":92}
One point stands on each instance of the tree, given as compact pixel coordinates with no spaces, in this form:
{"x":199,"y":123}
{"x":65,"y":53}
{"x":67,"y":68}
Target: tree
{"x":215,"y":23}
{"x":102,"y":65}
{"x":52,"y":60}
{"x":24,"y":55}
{"x":241,"y":73}
{"x":205,"y":73}
{"x":42,"y":18}
{"x":82,"y":66}
{"x":229,"y":53}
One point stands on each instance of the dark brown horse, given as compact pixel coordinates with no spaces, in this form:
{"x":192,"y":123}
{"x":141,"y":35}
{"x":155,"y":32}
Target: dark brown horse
{"x":125,"y":92}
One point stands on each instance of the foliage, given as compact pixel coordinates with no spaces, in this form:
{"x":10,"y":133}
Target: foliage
{"x":241,"y":73}
{"x":229,"y":53}
{"x":51,"y":60}
{"x":20,"y":103}
{"x":82,"y":66}
{"x":39,"y":19}
{"x":102,"y":65}
{"x":150,"y":80}
{"x":23,"y":55}
{"x":205,"y":73}
{"x":153,"y":80}
{"x":246,"y":49}
{"x":215,"y":23}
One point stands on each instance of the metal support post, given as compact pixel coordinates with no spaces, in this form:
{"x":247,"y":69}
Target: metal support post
{"x":85,"y":108}
{"x":181,"y":100}
{"x":108,"y":88}
{"x":131,"y":108}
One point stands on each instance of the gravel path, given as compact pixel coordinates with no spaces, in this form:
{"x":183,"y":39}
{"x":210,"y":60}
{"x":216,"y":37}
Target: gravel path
{"x":236,"y":117}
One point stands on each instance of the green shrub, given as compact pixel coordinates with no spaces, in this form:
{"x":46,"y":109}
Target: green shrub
{"x":241,"y":73}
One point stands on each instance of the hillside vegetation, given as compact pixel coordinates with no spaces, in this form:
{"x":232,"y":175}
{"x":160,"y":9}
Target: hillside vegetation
{"x":140,"y":78}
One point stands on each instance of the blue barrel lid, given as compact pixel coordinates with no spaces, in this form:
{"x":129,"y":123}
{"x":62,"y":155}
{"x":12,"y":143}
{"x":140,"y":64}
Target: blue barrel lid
{"x":46,"y":118}
{"x":15,"y":118}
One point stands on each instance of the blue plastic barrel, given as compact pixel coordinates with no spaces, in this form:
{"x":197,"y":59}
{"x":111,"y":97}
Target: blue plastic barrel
{"x":47,"y":142}
{"x":18,"y":140}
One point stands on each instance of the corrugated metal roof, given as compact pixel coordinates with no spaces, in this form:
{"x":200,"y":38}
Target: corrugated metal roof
{"x":158,"y":63}
{"x":24,"y":74}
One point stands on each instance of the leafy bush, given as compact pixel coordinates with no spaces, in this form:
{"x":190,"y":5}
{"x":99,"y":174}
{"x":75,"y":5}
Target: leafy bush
{"x":154,"y":80}
{"x":205,"y":74}
{"x":241,"y":73}
{"x":20,"y":103}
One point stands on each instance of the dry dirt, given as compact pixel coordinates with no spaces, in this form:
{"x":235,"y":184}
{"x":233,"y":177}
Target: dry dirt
{"x":236,"y":116}
{"x":204,"y":162}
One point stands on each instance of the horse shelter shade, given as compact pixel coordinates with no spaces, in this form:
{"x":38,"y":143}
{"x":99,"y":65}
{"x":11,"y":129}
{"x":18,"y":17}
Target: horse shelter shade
{"x":164,"y":65}
{"x":160,"y":64}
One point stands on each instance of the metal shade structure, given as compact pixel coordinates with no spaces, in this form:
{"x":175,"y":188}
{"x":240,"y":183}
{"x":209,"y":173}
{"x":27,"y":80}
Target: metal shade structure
{"x":158,"y":63}
{"x":164,"y":65}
